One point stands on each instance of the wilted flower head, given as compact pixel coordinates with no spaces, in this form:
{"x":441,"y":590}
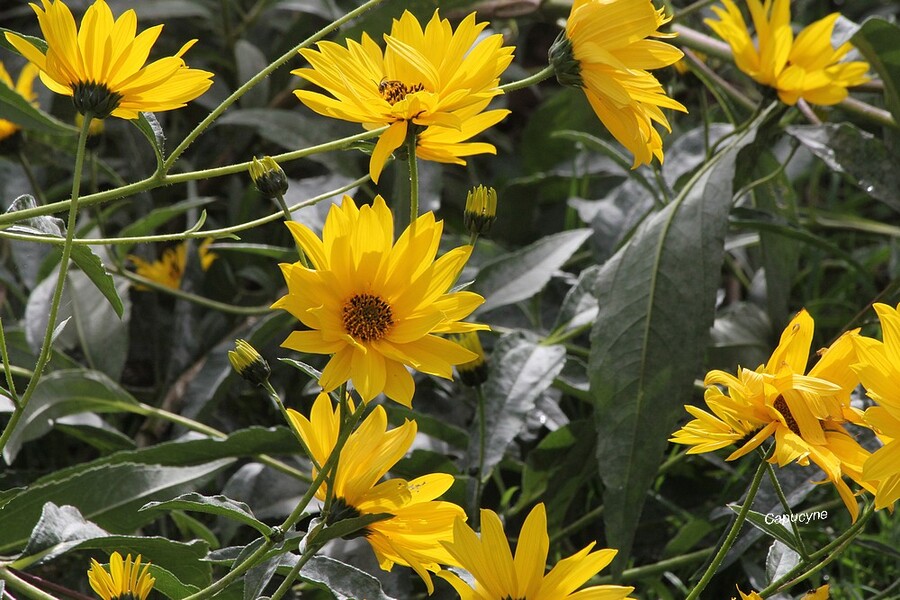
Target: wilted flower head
{"x":807,"y":66}
{"x":607,"y":50}
{"x":101,"y":65}
{"x":437,"y":80}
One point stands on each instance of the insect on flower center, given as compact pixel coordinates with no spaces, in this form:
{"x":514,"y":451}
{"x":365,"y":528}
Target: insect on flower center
{"x":367,"y":318}
{"x":394,"y":91}
{"x":781,"y":406}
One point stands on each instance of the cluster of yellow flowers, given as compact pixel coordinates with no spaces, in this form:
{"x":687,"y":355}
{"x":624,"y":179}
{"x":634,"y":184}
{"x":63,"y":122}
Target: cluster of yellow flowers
{"x":807,"y":413}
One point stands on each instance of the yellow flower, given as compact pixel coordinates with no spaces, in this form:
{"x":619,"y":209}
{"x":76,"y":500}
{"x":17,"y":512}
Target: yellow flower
{"x":24,"y":87}
{"x":376,"y":305}
{"x":435,"y":79}
{"x":820,"y":593}
{"x":879,"y":371}
{"x":803,"y":412}
{"x":169,"y":269}
{"x":751,"y":596}
{"x":413,"y":535}
{"x":605,"y":50}
{"x":807,"y":66}
{"x":102,"y":65}
{"x":124,"y":581}
{"x":474,"y":372}
{"x":499,"y":575}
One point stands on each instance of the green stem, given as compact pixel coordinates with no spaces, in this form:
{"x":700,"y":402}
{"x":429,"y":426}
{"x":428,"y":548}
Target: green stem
{"x":190,"y":233}
{"x":310,"y":551}
{"x":692,"y":8}
{"x":7,"y":369}
{"x":577,"y":524}
{"x":20,"y":585}
{"x":653,"y":570}
{"x":147,"y":410}
{"x":216,"y":112}
{"x":199,"y":300}
{"x":545,"y":73}
{"x":234,"y":573}
{"x":276,"y":399}
{"x":29,"y":173}
{"x":157,"y":180}
{"x":482,"y":444}
{"x":732,"y":533}
{"x":413,"y":175}
{"x":44,"y":355}
{"x":828,"y":552}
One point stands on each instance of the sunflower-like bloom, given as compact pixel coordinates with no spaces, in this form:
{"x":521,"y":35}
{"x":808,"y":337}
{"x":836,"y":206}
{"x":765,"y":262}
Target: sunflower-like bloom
{"x":125,"y":580}
{"x":101,"y":65}
{"x":820,"y":593}
{"x":807,"y":66}
{"x":376,"y":305}
{"x":803,"y":412}
{"x":879,"y":371}
{"x":498,"y":575}
{"x":605,"y":50}
{"x":169,"y":269}
{"x":24,"y":86}
{"x":412,"y":536}
{"x":437,"y":79}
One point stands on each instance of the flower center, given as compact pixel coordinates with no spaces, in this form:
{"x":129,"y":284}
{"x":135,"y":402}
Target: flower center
{"x":394,"y":91}
{"x":782,"y":407}
{"x":367,"y":318}
{"x":341,"y":511}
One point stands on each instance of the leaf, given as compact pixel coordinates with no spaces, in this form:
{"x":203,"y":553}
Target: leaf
{"x":35,"y":41}
{"x":63,"y":393}
{"x":215,"y":505}
{"x":877,"y":40}
{"x":779,"y":561}
{"x":579,"y":307}
{"x":155,"y":218}
{"x":274,"y":252}
{"x":848,"y":149}
{"x":521,"y":369}
{"x":114,"y":508}
{"x":20,"y":111}
{"x":657,"y":300}
{"x":149,"y":125}
{"x":59,"y":529}
{"x":250,"y":60}
{"x":344,"y":581}
{"x":769,"y":526}
{"x":185,"y":560}
{"x":170,"y":586}
{"x":523,"y":273}
{"x":349,"y":527}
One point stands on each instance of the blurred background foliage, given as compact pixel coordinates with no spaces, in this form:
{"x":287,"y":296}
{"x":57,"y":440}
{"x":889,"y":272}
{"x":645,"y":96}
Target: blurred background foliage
{"x":146,"y":407}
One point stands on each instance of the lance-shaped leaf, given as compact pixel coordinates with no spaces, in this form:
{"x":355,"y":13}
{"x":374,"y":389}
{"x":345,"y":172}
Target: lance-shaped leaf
{"x":215,"y":505}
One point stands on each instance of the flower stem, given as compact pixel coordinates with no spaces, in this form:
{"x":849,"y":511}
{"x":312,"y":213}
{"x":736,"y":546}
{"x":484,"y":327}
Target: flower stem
{"x":276,"y":399}
{"x":44,"y":355}
{"x":4,"y":354}
{"x":787,"y":507}
{"x":217,"y":111}
{"x":20,"y":585}
{"x":310,"y":551}
{"x":413,"y":176}
{"x":538,"y":77}
{"x":732,"y":533}
{"x":482,"y":442}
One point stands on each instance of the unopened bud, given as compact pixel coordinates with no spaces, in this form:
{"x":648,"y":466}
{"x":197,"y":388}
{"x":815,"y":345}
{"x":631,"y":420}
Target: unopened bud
{"x":248,"y":363}
{"x":481,"y":210}
{"x":268,"y":177}
{"x":474,"y":372}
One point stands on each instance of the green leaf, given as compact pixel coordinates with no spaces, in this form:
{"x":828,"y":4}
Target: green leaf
{"x":155,"y":218}
{"x":769,"y":526}
{"x":274,"y":252}
{"x":95,"y":432}
{"x":35,"y":41}
{"x":149,"y":125}
{"x":215,"y":505}
{"x":848,"y":149}
{"x":20,"y":111}
{"x":877,"y":40}
{"x":59,"y":529}
{"x":63,"y":393}
{"x":169,"y":585}
{"x":522,"y":274}
{"x":185,"y":560}
{"x":521,"y":370}
{"x":350,"y":527}
{"x":114,"y":508}
{"x":579,"y":307}
{"x":657,"y":299}
{"x":344,"y":581}
{"x":780,"y":561}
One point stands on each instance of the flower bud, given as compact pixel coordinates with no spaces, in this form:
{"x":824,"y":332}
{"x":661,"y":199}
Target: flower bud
{"x":248,"y":363}
{"x":565,"y":65}
{"x":474,"y":372}
{"x":268,"y":177}
{"x":481,"y":210}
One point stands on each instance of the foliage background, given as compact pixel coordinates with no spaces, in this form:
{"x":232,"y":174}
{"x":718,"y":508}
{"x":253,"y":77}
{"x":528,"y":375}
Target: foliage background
{"x":579,"y":404}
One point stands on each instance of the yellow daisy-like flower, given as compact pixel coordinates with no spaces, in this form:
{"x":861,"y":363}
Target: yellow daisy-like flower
{"x":24,"y":86}
{"x":605,"y":50}
{"x":803,"y":412}
{"x":437,"y":79}
{"x":879,"y":371}
{"x":101,"y":65}
{"x":500,"y":576}
{"x":807,"y":66}
{"x":375,"y":305}
{"x":125,"y":580}
{"x":413,"y":535}
{"x":169,"y":269}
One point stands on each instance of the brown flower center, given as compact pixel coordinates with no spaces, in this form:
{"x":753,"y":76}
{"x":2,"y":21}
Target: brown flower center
{"x":394,"y":91}
{"x":782,"y":407}
{"x":367,"y":318}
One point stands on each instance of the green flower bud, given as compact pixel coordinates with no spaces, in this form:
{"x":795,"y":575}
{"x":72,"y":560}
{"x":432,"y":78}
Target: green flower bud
{"x":268,"y":177}
{"x":248,"y":363}
{"x":474,"y":372}
{"x":481,"y":210}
